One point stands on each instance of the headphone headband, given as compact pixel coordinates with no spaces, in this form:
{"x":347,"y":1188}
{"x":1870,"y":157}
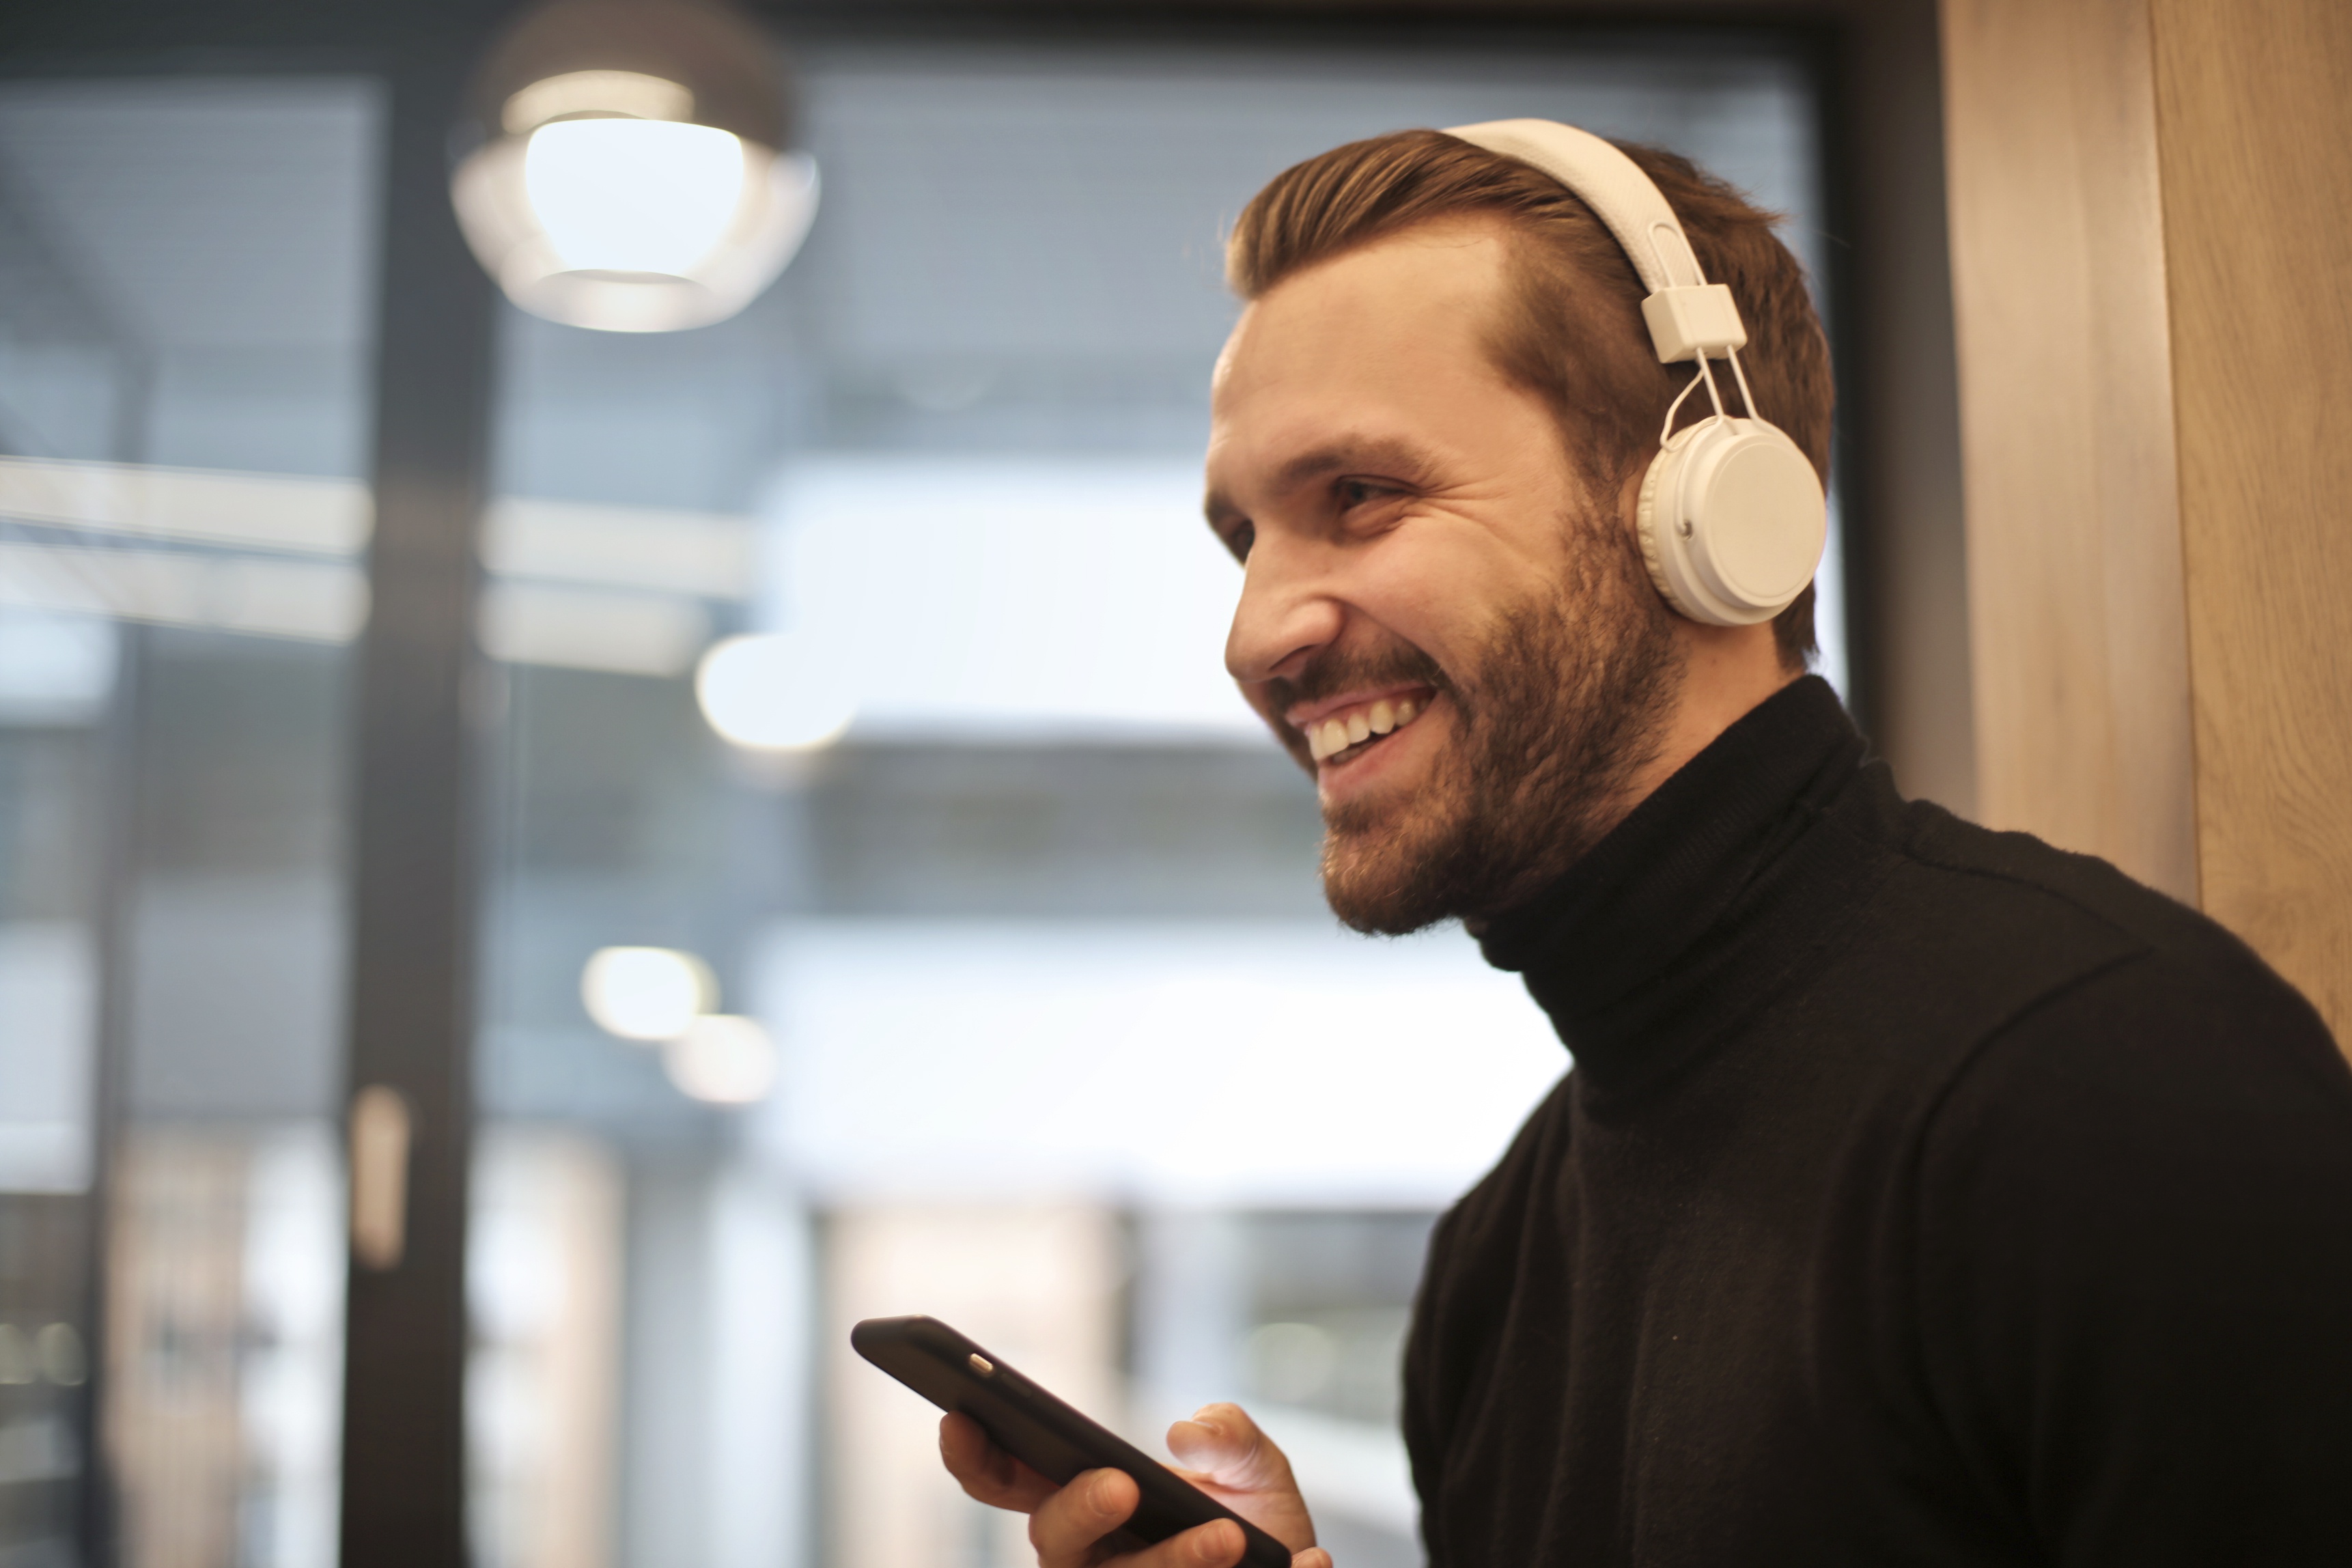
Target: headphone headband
{"x":1686,"y":314}
{"x":1730,"y":513}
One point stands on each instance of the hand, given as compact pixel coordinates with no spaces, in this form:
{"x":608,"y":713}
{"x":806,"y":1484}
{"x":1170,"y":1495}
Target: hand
{"x":1231,"y":1460}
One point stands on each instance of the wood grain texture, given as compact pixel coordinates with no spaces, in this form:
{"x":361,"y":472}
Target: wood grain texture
{"x":2077,"y":618}
{"x":2255,"y":139}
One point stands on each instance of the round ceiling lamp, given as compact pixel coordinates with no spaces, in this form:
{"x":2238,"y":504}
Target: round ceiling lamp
{"x":630,"y":165}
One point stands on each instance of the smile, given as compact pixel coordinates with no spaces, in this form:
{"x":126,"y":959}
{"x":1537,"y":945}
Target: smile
{"x":1345,"y":733}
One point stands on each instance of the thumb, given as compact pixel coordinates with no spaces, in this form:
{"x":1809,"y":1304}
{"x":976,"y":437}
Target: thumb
{"x":1221,"y":1442}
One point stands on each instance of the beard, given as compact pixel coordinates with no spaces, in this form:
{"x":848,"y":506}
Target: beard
{"x":1566,"y":699}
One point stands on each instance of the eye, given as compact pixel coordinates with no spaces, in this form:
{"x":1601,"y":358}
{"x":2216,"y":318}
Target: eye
{"x":1239,"y":538}
{"x":1353,"y":492}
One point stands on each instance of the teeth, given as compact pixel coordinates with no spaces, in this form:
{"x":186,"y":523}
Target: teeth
{"x":1335,"y":735}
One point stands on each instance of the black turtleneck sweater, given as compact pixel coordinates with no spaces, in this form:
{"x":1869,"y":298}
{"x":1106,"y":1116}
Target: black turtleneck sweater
{"x":1920,"y":1194}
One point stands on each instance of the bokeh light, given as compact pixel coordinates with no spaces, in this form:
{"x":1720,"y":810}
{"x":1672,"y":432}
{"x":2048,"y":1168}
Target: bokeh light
{"x":646,"y":993}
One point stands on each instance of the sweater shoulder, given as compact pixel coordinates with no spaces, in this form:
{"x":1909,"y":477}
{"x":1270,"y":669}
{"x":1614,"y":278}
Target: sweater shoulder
{"x":2102,"y":981}
{"x":2053,"y":920}
{"x":2022,"y":875}
{"x":1988,"y":958}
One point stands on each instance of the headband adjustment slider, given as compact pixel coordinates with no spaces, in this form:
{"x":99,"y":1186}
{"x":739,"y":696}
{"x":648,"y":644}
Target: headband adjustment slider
{"x":1687,"y":321}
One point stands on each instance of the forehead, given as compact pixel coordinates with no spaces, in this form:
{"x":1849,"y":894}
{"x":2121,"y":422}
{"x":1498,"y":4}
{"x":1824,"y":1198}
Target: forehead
{"x":1394,"y":306}
{"x":1378,"y":357}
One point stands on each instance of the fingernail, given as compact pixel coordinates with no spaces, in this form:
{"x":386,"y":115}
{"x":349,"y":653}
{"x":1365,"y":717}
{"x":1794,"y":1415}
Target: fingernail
{"x":1214,"y":1544}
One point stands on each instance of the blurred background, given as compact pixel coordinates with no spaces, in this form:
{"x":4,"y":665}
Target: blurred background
{"x":760,"y":798}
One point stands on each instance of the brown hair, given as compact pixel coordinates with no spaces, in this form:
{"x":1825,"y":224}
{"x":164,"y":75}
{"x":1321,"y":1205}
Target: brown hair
{"x":1571,"y":331}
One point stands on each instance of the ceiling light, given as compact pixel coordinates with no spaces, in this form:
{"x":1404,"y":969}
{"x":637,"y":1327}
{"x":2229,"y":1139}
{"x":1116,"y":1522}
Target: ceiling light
{"x":629,"y":169}
{"x":723,"y":1059}
{"x":631,"y":93}
{"x":646,"y":993}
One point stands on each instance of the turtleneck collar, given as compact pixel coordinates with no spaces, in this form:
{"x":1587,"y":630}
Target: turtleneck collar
{"x":1709,"y":894}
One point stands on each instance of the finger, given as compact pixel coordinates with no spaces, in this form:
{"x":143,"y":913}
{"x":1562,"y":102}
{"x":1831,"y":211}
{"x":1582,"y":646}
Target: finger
{"x":1216,"y":1545}
{"x":1313,"y":1557}
{"x":1067,"y":1526}
{"x":987,"y":1472}
{"x":1223,"y":1444}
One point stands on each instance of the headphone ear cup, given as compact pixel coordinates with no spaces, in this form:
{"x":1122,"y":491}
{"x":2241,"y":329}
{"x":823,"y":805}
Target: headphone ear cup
{"x":1732,"y":521}
{"x":1658,"y":478}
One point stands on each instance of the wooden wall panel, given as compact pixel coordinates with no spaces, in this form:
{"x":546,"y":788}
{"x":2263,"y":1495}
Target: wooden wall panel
{"x":2077,"y":620}
{"x":2255,"y":133}
{"x":2151,"y":214}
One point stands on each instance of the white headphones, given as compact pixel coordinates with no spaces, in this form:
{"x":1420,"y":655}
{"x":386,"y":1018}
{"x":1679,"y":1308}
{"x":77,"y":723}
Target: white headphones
{"x":1732,"y":516}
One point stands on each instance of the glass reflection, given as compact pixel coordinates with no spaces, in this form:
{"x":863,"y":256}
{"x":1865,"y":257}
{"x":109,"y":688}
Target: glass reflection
{"x":186,"y":271}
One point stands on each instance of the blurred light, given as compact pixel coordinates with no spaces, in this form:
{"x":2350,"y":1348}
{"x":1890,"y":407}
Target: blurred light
{"x":60,"y":1350}
{"x":646,"y":549}
{"x":722,"y":1058}
{"x":633,"y":195}
{"x":262,"y":574}
{"x":775,"y":692}
{"x":381,"y":1131}
{"x":591,"y":93}
{"x":49,"y":997}
{"x":646,"y":993}
{"x":628,"y":200}
{"x":247,"y":511}
{"x":1291,"y":1363}
{"x":313,"y":601}
{"x":579,"y":628}
{"x":55,"y":670}
{"x":633,"y":228}
{"x":912,"y":1044}
{"x":992,"y":569}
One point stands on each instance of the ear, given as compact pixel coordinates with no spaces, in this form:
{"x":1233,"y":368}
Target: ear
{"x":1628,"y":494}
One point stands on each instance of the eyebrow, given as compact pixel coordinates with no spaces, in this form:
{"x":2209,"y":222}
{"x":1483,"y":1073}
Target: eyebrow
{"x":1387,"y":454}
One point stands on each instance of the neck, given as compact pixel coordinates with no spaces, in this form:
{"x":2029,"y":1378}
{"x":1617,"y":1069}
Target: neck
{"x":1675,"y":923}
{"x":1726,"y":673}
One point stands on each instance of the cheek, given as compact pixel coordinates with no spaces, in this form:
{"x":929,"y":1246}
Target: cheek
{"x":1439,"y":600}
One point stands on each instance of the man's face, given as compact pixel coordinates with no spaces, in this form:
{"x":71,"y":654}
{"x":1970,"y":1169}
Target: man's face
{"x":1437,"y":619}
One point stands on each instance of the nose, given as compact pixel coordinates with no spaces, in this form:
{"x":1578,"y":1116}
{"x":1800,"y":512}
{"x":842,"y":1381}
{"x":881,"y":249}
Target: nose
{"x":1284,"y":618}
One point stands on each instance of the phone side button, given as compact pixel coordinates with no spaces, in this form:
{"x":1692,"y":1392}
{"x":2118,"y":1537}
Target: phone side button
{"x":982,"y":1364}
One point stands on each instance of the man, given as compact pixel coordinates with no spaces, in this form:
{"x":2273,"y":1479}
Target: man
{"x":1919,"y":1193}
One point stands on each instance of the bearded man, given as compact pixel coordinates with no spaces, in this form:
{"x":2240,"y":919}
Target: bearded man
{"x":1918,"y":1193}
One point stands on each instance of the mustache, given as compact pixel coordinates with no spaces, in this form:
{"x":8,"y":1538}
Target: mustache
{"x":1326,"y":677}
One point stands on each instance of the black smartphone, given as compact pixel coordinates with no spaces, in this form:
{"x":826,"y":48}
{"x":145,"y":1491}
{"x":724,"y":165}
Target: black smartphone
{"x":1042,"y":1432}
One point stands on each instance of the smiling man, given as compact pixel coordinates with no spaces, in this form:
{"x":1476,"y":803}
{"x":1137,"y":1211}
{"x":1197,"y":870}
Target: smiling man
{"x":1919,"y":1193}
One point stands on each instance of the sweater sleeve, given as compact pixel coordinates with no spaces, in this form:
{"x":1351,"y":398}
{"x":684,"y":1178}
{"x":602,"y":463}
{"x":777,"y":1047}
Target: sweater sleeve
{"x":2133,"y":1270}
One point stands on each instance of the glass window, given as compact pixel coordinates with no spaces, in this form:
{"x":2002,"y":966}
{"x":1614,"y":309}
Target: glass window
{"x":187,"y":299}
{"x":1007,"y":992}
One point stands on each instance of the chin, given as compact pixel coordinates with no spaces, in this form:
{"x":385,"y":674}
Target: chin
{"x":1391,"y":881}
